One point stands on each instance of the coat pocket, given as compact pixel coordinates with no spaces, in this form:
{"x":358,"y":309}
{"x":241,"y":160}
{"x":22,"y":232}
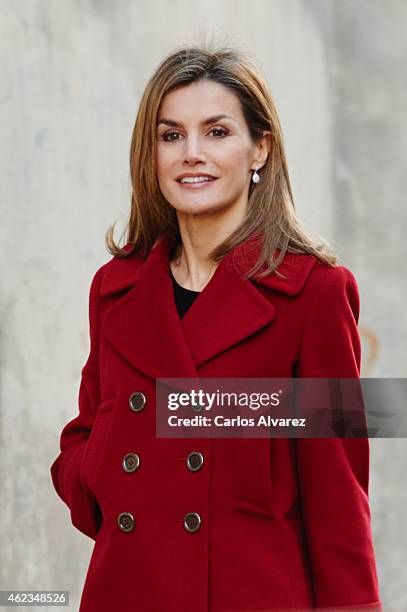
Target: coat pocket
{"x":252,"y":476}
{"x":96,"y":445}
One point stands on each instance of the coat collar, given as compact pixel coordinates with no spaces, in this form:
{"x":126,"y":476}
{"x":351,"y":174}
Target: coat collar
{"x":143,"y":324}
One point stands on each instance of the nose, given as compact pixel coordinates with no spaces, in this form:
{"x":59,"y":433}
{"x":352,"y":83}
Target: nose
{"x":194,"y":150}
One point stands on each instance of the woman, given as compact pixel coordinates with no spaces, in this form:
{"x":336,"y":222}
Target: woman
{"x":217,"y":279}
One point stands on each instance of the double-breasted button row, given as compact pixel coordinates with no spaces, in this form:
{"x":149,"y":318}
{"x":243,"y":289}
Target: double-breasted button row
{"x":131,"y":462}
{"x":137,"y":401}
{"x":192,"y":522}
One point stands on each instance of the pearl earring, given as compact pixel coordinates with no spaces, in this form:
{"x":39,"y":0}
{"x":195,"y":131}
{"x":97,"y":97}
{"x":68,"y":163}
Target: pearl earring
{"x":255,"y":177}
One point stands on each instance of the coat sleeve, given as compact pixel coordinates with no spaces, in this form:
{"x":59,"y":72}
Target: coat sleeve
{"x":66,"y":469}
{"x":334,"y":472}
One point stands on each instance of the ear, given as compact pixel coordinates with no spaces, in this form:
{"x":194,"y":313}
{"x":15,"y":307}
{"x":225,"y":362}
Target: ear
{"x":262,"y":149}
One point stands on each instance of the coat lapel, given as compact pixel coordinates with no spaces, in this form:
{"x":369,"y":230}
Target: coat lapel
{"x":143,"y":324}
{"x":226,"y":312}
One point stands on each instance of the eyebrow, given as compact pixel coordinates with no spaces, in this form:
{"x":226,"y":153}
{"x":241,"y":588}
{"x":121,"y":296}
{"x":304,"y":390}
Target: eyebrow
{"x":213,"y":119}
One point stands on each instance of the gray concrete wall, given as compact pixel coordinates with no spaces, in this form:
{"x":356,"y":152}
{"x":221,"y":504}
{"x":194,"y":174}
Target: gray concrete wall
{"x":72,"y":73}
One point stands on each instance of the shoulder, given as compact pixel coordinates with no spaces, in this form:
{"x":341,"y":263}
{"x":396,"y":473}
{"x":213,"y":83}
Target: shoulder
{"x":333,"y":284}
{"x":317,"y":287}
{"x":331,"y":293}
{"x":324,"y":276}
{"x":306,"y":274}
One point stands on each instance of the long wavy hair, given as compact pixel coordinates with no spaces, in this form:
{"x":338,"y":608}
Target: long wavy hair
{"x":270,"y":211}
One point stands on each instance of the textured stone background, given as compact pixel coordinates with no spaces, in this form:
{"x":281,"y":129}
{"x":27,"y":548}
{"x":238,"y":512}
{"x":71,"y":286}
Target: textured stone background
{"x":72,"y":73}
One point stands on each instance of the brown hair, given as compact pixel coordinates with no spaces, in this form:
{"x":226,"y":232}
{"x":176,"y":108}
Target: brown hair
{"x":270,"y":212}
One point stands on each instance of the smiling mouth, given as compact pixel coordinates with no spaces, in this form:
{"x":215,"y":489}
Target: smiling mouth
{"x":191,"y":179}
{"x":195,"y":183}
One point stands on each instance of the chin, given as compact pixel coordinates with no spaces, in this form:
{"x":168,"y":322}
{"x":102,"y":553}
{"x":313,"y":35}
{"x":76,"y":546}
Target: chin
{"x":199,"y":207}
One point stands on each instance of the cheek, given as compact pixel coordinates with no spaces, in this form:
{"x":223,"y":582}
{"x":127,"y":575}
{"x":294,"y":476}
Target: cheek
{"x":236,"y":172}
{"x":234,"y":160}
{"x":164,"y":161}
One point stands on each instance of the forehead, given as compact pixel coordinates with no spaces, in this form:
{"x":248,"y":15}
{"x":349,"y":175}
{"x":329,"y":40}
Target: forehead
{"x":199,"y":100}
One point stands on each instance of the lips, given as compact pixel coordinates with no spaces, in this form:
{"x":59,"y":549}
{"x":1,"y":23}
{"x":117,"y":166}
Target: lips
{"x":207,"y":180}
{"x":203,"y":184}
{"x":191,"y":175}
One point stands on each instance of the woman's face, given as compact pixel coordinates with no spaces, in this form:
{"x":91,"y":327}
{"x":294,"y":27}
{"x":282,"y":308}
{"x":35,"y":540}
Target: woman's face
{"x":201,"y":130}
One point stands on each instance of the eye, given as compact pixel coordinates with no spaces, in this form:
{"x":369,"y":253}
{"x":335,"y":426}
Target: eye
{"x":168,"y":136}
{"x":164,"y":137}
{"x":221,"y":130}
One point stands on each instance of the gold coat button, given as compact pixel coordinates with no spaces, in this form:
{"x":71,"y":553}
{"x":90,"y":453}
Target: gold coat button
{"x":131,"y":462}
{"x":192,"y":522}
{"x":197,"y":407}
{"x":195,"y":461}
{"x":126,"y":522}
{"x":137,"y":401}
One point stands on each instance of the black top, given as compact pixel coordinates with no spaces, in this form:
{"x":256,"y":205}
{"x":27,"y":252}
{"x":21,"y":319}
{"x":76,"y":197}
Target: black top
{"x":183,"y":297}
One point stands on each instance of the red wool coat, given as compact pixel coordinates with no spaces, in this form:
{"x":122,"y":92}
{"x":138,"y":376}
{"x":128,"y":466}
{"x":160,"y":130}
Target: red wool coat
{"x":285,"y":523}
